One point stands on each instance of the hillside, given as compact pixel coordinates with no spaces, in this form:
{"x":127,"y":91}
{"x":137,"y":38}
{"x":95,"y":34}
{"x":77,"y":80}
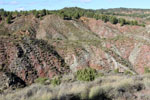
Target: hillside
{"x":54,"y":46}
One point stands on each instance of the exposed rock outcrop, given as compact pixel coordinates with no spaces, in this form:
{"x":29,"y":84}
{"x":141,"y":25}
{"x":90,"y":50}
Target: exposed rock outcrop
{"x":29,"y":59}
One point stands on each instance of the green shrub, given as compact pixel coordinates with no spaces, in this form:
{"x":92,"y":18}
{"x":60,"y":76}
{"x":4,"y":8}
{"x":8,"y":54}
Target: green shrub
{"x":37,"y":14}
{"x":116,"y":70}
{"x":41,"y":18}
{"x":87,"y":74}
{"x":1,"y":67}
{"x":56,"y":81}
{"x":113,"y":20}
{"x":143,"y":25}
{"x":122,"y":21}
{"x":9,"y":18}
{"x":146,"y":70}
{"x":128,"y":73}
{"x":41,"y":80}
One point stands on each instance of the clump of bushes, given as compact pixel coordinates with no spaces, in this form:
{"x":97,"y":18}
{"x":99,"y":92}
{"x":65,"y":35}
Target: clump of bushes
{"x":87,"y":74}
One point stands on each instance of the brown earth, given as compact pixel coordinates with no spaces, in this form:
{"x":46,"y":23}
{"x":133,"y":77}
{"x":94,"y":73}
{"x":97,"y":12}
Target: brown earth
{"x":32,"y":48}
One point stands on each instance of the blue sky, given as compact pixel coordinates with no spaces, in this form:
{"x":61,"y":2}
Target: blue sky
{"x":58,"y":4}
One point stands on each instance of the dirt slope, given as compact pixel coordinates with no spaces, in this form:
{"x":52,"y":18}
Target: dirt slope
{"x":90,"y":42}
{"x":32,"y":48}
{"x":29,"y":59}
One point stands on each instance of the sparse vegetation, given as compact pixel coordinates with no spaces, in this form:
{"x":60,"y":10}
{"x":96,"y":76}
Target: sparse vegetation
{"x":109,"y":88}
{"x":116,"y":70}
{"x":41,"y":80}
{"x":56,"y":81}
{"x":147,"y":70}
{"x":128,"y":72}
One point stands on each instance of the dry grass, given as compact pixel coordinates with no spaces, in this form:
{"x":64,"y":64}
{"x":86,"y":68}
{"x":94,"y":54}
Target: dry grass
{"x":95,"y":91}
{"x":146,"y":81}
{"x":108,"y":87}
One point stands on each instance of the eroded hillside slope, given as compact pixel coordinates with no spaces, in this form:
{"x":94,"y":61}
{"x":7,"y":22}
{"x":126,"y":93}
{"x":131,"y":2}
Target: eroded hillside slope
{"x":31,"y":47}
{"x":26,"y":59}
{"x":90,"y":42}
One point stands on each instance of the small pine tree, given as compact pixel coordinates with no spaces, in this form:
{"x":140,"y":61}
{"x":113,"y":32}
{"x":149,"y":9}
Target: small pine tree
{"x":76,"y":15}
{"x":135,"y":22}
{"x":33,"y":12}
{"x":43,"y":12}
{"x":17,"y":13}
{"x":37,"y":14}
{"x":3,"y":13}
{"x":104,"y":18}
{"x":9,"y":18}
{"x":25,"y":13}
{"x":122,"y":21}
{"x":113,"y":20}
{"x":0,"y":18}
{"x":96,"y":16}
{"x":41,"y":18}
